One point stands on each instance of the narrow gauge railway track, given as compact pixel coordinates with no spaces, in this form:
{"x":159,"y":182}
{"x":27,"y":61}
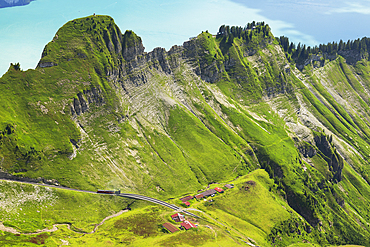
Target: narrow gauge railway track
{"x":126,"y":195}
{"x":156,"y":201}
{"x":149,"y":199}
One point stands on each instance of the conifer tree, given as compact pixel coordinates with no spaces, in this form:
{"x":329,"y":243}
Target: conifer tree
{"x":341,"y":45}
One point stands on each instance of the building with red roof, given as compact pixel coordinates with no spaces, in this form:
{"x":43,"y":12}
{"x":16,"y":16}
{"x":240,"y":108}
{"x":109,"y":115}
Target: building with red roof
{"x":187,"y":203}
{"x":219,"y":190}
{"x":187,"y":225}
{"x":178,"y":217}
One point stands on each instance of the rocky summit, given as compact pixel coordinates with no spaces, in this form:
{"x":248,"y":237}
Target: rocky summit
{"x":289,"y":125}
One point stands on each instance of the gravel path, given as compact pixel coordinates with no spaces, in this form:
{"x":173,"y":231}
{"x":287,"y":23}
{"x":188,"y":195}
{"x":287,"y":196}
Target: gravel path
{"x":55,"y":226}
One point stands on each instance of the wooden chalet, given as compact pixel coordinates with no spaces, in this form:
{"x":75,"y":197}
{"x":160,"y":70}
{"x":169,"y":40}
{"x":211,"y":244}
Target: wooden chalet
{"x":178,"y":217}
{"x":209,"y":192}
{"x":229,"y":186}
{"x":187,"y":225}
{"x":186,"y":198}
{"x":171,"y":228}
{"x":219,"y":190}
{"x":199,"y":196}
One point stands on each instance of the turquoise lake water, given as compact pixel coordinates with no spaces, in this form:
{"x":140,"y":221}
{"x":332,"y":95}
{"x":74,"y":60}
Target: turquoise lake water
{"x":25,"y":30}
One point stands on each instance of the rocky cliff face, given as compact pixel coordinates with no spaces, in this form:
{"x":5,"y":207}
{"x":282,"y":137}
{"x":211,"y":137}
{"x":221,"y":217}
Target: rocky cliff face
{"x":81,"y":103}
{"x":335,"y":161}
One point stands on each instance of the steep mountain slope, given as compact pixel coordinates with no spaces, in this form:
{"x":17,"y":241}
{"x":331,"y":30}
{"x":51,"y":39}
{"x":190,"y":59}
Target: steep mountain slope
{"x":98,"y":111}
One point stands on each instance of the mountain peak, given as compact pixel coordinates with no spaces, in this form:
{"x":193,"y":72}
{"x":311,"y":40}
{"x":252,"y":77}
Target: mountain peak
{"x":132,"y":45}
{"x":95,"y":36}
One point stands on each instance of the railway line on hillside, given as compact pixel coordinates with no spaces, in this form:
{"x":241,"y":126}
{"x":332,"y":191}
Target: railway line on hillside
{"x":156,"y":201}
{"x":125,"y":195}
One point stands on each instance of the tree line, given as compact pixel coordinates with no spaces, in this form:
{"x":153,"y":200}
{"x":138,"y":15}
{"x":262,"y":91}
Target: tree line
{"x":257,"y":30}
{"x":303,"y":52}
{"x":246,"y":33}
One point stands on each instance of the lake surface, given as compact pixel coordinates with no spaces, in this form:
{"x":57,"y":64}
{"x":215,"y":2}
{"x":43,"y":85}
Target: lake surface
{"x":25,"y":30}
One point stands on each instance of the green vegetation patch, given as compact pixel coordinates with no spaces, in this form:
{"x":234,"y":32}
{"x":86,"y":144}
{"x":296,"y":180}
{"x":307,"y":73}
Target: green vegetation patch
{"x":251,"y":201}
{"x":28,"y":208}
{"x":209,"y":158}
{"x":192,"y":237}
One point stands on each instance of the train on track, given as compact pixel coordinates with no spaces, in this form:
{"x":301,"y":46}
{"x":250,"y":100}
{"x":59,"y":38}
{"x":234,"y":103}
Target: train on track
{"x":109,"y":191}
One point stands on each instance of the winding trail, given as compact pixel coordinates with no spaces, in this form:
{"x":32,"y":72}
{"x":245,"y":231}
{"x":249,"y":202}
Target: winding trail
{"x":107,"y":218}
{"x":55,"y":226}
